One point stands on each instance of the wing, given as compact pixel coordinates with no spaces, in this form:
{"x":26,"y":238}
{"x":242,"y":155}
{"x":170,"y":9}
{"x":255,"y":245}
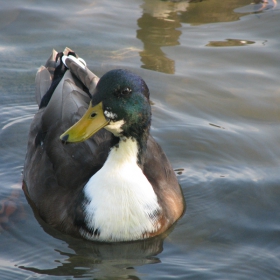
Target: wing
{"x":55,"y":173}
{"x":161,"y":175}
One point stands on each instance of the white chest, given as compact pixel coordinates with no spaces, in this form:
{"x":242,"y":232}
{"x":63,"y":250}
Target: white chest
{"x":122,"y":203}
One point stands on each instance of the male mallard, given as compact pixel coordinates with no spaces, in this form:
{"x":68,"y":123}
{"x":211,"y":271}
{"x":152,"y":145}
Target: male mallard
{"x":117,"y":185}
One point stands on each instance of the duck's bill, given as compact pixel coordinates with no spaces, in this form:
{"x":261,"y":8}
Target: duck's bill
{"x":92,"y":121}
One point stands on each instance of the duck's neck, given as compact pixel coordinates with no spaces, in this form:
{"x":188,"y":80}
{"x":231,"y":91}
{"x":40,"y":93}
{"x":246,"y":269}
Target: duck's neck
{"x":127,"y":150}
{"x":131,"y":148}
{"x":121,"y":203}
{"x":138,"y":135}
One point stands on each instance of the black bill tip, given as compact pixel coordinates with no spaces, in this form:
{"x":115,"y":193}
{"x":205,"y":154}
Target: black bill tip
{"x":64,"y":139}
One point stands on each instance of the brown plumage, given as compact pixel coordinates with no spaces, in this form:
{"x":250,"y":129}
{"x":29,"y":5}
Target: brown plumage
{"x":56,"y":173}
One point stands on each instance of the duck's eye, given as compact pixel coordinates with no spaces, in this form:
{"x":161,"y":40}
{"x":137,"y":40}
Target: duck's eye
{"x":123,"y":92}
{"x":126,"y":91}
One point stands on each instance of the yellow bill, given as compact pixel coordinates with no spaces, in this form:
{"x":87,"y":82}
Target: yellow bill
{"x":92,"y":121}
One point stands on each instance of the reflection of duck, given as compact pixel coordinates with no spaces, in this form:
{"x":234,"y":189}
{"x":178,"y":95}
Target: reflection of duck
{"x":159,"y":27}
{"x":94,"y":260}
{"x":116,"y":186}
{"x":91,"y":260}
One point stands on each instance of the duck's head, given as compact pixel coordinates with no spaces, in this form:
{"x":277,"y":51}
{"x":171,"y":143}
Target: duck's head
{"x":120,"y":104}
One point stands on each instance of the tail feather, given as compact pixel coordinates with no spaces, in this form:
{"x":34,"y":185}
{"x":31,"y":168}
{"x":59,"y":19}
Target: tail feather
{"x":43,"y":82}
{"x":49,"y":76}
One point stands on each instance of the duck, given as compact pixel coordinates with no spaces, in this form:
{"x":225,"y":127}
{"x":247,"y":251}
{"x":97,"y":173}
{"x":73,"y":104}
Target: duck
{"x":92,"y":169}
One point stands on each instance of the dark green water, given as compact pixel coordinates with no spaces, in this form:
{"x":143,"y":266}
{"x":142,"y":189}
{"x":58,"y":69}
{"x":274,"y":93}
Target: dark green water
{"x":213,"y":71}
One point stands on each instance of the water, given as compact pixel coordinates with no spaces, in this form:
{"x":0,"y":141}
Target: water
{"x":213,"y":71}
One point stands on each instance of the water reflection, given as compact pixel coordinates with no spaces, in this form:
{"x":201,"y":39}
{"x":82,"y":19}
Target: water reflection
{"x":267,"y":4}
{"x":98,"y":260}
{"x":101,"y":260}
{"x":257,"y":7}
{"x":83,"y":258}
{"x":214,"y":11}
{"x":160,"y":23}
{"x":11,"y":211}
{"x":159,"y":28}
{"x":229,"y":43}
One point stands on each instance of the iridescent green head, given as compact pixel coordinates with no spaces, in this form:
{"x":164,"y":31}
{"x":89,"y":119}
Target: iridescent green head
{"x":120,"y":104}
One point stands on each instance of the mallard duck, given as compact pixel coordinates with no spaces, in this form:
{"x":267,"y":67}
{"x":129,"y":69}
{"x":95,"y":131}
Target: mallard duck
{"x":117,"y":184}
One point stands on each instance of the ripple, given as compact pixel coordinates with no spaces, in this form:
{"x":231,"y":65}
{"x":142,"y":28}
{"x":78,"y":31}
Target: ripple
{"x":215,"y":113}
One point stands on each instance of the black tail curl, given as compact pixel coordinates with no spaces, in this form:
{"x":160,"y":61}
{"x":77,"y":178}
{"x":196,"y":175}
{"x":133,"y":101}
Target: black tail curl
{"x":58,"y":74}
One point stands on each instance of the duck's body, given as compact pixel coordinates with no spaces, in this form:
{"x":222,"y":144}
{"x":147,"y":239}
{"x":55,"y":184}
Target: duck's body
{"x":118,"y":184}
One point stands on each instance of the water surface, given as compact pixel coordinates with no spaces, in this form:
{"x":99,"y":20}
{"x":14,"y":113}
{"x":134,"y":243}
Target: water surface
{"x":213,"y":71}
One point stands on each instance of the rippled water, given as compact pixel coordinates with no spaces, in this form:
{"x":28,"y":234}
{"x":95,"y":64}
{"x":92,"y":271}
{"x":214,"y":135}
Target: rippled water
{"x":213,"y":71}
